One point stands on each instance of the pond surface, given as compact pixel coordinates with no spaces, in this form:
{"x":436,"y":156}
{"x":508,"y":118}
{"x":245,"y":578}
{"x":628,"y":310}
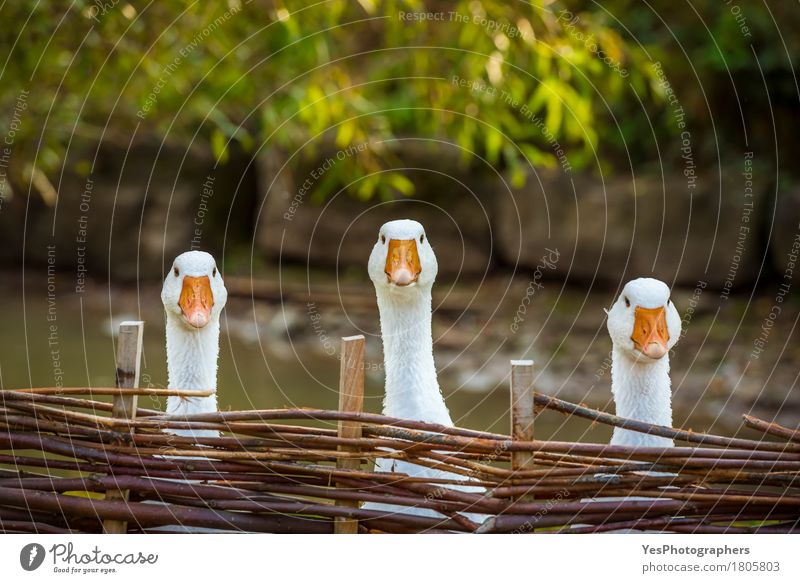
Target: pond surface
{"x":274,"y":355}
{"x":71,"y":343}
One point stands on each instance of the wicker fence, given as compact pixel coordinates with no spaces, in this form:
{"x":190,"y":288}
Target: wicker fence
{"x":72,"y":463}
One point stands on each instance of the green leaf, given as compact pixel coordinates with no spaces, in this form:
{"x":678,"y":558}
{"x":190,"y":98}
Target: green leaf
{"x":494,"y":141}
{"x":346,"y":132}
{"x":219,"y":146}
{"x":554,"y":113}
{"x":366,"y":188}
{"x":400,"y":182}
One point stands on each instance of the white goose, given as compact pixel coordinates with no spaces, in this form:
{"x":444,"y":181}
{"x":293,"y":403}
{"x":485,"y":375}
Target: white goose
{"x":644,"y":325}
{"x":193,"y":296}
{"x":403,"y":268}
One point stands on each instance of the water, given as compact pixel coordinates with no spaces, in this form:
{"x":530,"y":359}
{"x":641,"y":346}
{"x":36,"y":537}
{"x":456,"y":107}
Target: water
{"x":69,"y":341}
{"x":273,"y":354}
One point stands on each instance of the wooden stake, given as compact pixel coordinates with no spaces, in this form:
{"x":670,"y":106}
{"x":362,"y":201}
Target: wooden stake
{"x":351,"y":400}
{"x":129,"y":354}
{"x":522,"y":414}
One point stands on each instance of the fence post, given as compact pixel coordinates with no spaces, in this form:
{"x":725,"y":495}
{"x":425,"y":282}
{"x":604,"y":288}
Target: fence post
{"x":129,"y":353}
{"x":351,"y":400}
{"x":522,"y":414}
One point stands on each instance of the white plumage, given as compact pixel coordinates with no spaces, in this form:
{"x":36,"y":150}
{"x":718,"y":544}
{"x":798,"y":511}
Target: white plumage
{"x":644,"y":326}
{"x":403,"y":268}
{"x":193,"y":296}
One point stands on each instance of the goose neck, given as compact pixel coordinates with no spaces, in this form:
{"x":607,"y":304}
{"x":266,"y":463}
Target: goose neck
{"x":192,"y":364}
{"x":641,"y":391}
{"x":412,"y":390}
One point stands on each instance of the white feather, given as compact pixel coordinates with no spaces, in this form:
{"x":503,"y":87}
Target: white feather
{"x":192,"y":353}
{"x":641,"y":386}
{"x":412,"y":389}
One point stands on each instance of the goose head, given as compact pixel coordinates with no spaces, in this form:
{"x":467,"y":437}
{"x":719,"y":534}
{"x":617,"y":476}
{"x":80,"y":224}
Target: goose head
{"x":644,"y":323}
{"x":194,"y":293}
{"x":402,"y":262}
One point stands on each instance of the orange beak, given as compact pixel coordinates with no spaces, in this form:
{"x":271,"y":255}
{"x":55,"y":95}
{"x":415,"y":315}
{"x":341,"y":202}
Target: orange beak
{"x":196,"y":300}
{"x":650,"y":334}
{"x":402,"y":262}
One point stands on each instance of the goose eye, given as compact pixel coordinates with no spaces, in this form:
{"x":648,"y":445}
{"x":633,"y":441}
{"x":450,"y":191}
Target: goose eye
{"x":214,"y":272}
{"x":175,"y":271}
{"x":422,"y":238}
{"x":383,"y":239}
{"x":627,"y":303}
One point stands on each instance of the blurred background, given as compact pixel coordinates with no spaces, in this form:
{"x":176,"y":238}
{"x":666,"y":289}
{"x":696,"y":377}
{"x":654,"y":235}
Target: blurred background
{"x":553,"y":150}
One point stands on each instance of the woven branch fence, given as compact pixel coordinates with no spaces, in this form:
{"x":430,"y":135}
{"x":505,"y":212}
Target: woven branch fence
{"x":72,"y":463}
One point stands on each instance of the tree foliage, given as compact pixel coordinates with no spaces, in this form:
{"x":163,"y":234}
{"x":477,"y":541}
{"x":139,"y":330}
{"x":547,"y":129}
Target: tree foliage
{"x":514,"y":82}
